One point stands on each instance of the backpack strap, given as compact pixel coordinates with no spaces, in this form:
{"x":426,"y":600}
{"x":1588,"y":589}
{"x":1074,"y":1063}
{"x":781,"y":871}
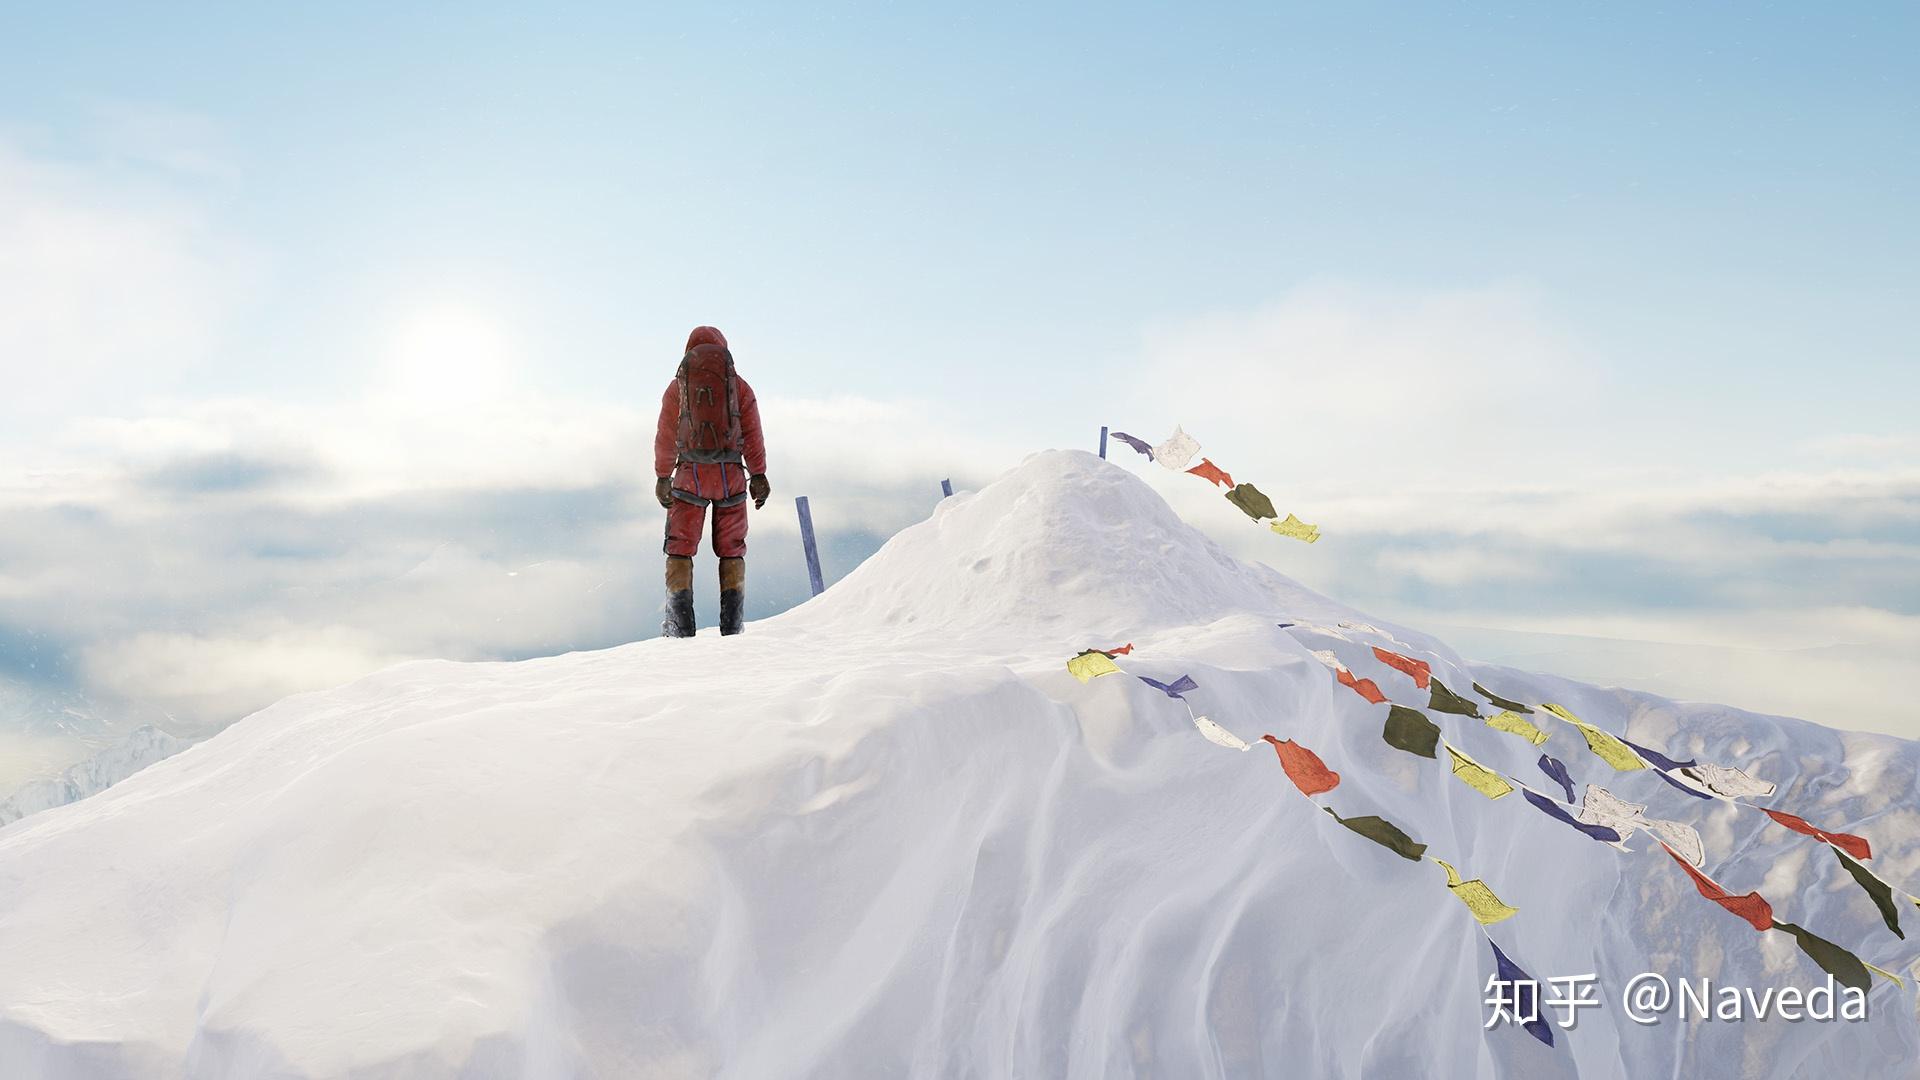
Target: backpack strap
{"x":733,"y":407}
{"x":684,"y":432}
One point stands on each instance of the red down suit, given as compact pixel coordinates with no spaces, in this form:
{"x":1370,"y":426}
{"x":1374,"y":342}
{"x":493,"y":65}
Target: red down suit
{"x":709,"y":462}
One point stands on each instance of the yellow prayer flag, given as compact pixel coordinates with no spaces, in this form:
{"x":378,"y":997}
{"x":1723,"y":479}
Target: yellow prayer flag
{"x":1089,"y":665}
{"x":1885,"y":974}
{"x":1514,"y":724}
{"x":1297,"y":529}
{"x":1487,"y":908}
{"x":1604,"y":746}
{"x":1478,"y":776}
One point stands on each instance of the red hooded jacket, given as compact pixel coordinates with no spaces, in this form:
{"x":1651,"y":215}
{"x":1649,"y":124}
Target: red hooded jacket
{"x":711,"y":481}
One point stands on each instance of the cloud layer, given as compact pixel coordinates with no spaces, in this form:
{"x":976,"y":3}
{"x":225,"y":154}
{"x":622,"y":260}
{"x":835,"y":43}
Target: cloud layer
{"x":184,"y":557}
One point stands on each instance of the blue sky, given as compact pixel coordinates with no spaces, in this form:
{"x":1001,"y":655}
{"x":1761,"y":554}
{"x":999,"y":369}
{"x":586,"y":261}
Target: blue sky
{"x":1616,"y":302}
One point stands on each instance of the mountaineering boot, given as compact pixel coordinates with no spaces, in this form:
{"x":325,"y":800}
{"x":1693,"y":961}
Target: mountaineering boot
{"x":679,"y":620}
{"x":733,"y":595}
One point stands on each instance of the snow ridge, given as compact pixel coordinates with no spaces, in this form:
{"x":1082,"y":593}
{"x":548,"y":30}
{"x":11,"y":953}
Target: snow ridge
{"x":886,"y":833}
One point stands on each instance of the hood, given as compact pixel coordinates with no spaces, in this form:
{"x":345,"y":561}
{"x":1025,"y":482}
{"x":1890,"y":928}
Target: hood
{"x":705,"y":335}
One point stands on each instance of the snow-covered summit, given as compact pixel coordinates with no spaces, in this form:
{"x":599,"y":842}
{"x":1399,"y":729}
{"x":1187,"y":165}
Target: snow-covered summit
{"x":887,"y":833}
{"x":1064,"y":544}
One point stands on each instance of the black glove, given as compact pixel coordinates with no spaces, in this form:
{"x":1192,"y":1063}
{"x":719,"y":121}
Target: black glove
{"x":758,"y":487}
{"x":663,"y":490}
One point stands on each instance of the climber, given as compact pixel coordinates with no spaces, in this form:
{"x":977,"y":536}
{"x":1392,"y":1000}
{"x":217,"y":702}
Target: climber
{"x":708,"y":451}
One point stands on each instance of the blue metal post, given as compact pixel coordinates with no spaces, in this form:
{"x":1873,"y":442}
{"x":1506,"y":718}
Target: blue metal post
{"x":946,"y":488}
{"x":1103,"y":441}
{"x":813,"y":549}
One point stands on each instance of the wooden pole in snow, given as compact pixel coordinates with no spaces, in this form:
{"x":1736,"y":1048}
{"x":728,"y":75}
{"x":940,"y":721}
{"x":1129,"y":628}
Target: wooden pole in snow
{"x":1103,"y":442}
{"x":813,"y":549}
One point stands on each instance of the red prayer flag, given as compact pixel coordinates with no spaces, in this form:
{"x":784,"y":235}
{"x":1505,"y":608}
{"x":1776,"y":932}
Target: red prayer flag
{"x":1752,"y":907}
{"x":1855,"y":846}
{"x":1304,"y":767}
{"x":1366,"y":688}
{"x":1421,"y":671}
{"x":1122,"y":651}
{"x":1212,"y":473}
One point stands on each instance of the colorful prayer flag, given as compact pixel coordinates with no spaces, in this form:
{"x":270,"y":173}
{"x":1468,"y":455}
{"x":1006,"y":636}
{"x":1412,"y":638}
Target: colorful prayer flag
{"x":1211,"y":473}
{"x":1304,"y":767}
{"x":1683,"y":786}
{"x":1297,"y":529}
{"x":1478,"y":776}
{"x":1885,"y":974}
{"x":1510,"y":706}
{"x":1418,"y":670}
{"x":1174,"y":689}
{"x":1486,"y":907}
{"x":1752,"y":907}
{"x":1679,"y":838}
{"x":1410,"y":730}
{"x":1880,"y":891}
{"x":1383,"y":832}
{"x":1508,"y":972}
{"x":1121,"y":651}
{"x":1855,"y":846}
{"x":1604,"y":746}
{"x":1657,"y":759}
{"x":1602,"y":807}
{"x":1557,"y":772}
{"x":1727,"y":782}
{"x":1445,"y":700}
{"x":1514,"y":724}
{"x":1137,"y":444}
{"x":1366,"y":688}
{"x":1251,"y":502}
{"x":1177,"y":452}
{"x":1552,"y":810}
{"x":1218,"y":735}
{"x":1833,"y":959}
{"x":1090,"y":665}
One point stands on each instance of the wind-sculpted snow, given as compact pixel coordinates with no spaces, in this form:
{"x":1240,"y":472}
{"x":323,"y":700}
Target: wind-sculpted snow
{"x":887,"y":834}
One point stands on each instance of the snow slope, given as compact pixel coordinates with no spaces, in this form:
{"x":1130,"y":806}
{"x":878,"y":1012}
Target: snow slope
{"x":887,"y":834}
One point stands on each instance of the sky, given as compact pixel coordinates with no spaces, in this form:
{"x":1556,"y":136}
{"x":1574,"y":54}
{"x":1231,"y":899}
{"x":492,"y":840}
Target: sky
{"x":330,"y":338}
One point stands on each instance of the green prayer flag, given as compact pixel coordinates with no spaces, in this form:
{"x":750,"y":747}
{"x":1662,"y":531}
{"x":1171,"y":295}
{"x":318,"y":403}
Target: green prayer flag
{"x":1832,"y":959}
{"x":1382,"y":832}
{"x":1410,"y":730}
{"x":1445,"y":700}
{"x":1249,"y":499}
{"x":1510,"y":706}
{"x":1881,"y":892}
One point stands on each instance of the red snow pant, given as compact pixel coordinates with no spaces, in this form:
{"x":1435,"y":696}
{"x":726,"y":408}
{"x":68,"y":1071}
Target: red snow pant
{"x":694,"y":487}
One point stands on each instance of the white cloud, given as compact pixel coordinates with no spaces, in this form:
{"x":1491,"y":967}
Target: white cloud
{"x":219,"y":677}
{"x":210,"y":555}
{"x":1338,"y":385}
{"x":106,"y":288}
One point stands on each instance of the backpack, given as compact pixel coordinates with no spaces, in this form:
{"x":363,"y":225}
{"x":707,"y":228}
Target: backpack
{"x":709,"y":407}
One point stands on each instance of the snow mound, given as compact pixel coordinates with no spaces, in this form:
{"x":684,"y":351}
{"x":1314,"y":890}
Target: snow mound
{"x":887,"y":833}
{"x":1064,"y":544}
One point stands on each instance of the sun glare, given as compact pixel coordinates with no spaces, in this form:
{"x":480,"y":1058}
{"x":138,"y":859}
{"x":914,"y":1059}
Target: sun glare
{"x":449,"y":354}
